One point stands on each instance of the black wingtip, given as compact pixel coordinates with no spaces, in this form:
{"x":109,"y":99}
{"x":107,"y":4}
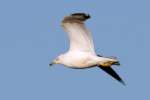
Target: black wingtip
{"x":111,"y":72}
{"x":82,"y":15}
{"x":123,"y":83}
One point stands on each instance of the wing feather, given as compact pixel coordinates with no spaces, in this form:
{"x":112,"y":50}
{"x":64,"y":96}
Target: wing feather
{"x":79,"y":36}
{"x":112,"y":73}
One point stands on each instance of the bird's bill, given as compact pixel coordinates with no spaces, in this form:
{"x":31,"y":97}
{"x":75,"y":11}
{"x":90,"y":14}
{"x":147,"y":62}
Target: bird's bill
{"x":53,"y":62}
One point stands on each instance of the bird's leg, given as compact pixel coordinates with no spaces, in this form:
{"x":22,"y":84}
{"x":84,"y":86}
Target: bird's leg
{"x":106,"y":64}
{"x":109,"y":63}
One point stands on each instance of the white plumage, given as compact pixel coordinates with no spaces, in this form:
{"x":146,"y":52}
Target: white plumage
{"x":81,"y":53}
{"x":80,"y":37}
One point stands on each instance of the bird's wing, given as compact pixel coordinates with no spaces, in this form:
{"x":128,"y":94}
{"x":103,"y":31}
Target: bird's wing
{"x":80,"y":37}
{"x":111,"y":72}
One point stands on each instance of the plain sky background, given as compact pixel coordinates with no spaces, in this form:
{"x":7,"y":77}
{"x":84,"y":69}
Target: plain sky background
{"x":31,"y":37}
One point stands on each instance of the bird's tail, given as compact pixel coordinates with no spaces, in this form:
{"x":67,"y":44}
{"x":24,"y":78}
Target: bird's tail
{"x":112,"y":61}
{"x":116,"y":63}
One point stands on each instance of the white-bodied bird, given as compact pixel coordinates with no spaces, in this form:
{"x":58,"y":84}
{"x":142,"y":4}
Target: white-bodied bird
{"x":81,"y":53}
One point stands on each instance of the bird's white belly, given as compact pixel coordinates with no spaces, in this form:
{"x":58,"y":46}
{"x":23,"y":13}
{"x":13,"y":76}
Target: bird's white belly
{"x":80,"y":62}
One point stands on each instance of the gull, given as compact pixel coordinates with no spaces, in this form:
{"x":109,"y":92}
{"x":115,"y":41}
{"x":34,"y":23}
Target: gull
{"x":81,"y":53}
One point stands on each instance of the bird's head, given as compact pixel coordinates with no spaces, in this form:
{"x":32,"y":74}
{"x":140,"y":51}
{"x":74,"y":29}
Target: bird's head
{"x":58,"y":60}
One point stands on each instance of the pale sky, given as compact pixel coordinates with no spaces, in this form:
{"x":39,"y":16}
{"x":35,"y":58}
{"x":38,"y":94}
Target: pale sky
{"x":31,"y":37}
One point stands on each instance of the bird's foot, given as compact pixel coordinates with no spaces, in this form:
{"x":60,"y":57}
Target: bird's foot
{"x":109,"y":63}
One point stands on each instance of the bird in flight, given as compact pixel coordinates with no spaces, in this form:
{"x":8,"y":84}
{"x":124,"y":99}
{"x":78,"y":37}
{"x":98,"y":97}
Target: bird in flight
{"x":81,"y":53}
